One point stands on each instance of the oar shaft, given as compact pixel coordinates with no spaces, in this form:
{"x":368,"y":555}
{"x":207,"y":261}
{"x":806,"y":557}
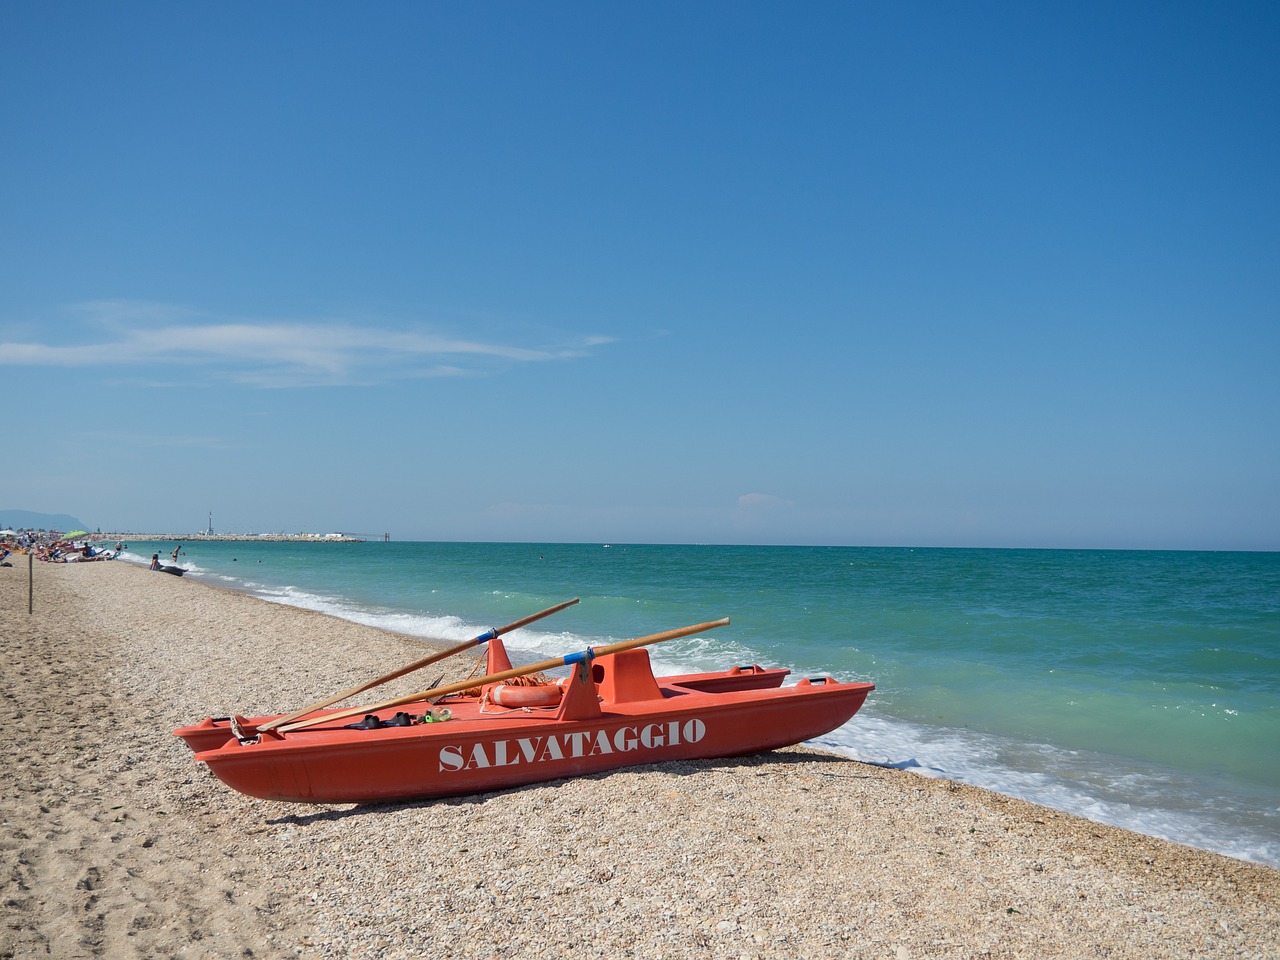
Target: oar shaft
{"x":492,"y":634}
{"x":593,"y":652}
{"x":589,"y":654}
{"x":488,"y":635}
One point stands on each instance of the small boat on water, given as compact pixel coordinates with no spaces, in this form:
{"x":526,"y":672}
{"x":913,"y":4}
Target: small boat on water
{"x":610,"y":712}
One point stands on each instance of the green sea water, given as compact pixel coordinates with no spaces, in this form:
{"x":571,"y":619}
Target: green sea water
{"x":1137,"y":688}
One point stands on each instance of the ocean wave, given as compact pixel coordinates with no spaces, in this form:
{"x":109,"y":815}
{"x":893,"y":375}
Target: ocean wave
{"x":1144,"y":799}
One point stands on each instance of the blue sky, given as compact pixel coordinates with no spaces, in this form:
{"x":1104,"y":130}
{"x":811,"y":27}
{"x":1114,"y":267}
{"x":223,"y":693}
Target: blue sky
{"x":993,"y":274}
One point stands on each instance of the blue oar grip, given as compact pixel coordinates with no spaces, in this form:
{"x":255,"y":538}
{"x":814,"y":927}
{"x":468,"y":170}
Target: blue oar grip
{"x":486,"y":637}
{"x":586,"y":656}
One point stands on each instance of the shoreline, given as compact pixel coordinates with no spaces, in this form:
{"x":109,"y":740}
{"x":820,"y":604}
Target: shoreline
{"x":124,"y":846}
{"x":1188,"y":798}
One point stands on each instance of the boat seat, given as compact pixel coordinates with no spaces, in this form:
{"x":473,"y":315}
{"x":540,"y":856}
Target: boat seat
{"x":625,"y":677}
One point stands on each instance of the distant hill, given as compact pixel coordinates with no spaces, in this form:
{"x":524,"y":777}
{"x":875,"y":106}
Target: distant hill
{"x":30,"y":520}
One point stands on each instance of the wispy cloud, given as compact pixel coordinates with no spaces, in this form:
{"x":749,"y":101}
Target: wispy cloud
{"x":273,"y":353}
{"x":762,"y":501}
{"x":165,"y":441}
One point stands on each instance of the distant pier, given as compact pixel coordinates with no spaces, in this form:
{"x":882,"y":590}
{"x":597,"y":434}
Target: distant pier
{"x":236,"y":537}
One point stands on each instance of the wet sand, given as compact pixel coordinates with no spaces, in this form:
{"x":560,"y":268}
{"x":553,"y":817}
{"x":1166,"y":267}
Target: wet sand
{"x":117,"y":844}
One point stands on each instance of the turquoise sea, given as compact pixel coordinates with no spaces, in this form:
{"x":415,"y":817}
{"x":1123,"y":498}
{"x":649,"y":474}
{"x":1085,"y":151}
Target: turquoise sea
{"x":1140,"y":689}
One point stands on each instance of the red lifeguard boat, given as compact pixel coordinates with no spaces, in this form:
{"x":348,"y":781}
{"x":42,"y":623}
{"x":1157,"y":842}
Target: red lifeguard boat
{"x":611,"y":712}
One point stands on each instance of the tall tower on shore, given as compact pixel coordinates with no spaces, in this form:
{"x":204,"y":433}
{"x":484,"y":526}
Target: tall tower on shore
{"x":209,"y":532}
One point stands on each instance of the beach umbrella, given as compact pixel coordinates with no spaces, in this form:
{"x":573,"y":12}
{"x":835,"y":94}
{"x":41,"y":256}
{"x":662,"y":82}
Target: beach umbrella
{"x":75,"y":534}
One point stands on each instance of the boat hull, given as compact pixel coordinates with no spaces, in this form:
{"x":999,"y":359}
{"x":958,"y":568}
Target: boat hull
{"x":614,"y":714}
{"x":327,"y":765}
{"x":213,"y":732}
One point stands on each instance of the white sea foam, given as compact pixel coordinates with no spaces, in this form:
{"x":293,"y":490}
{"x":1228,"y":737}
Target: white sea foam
{"x":1146,"y":800}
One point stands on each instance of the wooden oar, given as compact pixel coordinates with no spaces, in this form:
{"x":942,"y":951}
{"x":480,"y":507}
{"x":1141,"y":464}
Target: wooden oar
{"x":491,"y":634}
{"x":586,"y":655}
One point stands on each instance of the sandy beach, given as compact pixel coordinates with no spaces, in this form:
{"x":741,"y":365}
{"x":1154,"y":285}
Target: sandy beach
{"x":117,"y":844}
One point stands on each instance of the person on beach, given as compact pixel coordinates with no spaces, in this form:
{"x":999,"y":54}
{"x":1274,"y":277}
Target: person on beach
{"x":155,"y":561}
{"x":175,"y":552}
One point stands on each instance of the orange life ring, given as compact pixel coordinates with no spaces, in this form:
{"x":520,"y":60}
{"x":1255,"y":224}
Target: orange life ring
{"x":526,"y":695}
